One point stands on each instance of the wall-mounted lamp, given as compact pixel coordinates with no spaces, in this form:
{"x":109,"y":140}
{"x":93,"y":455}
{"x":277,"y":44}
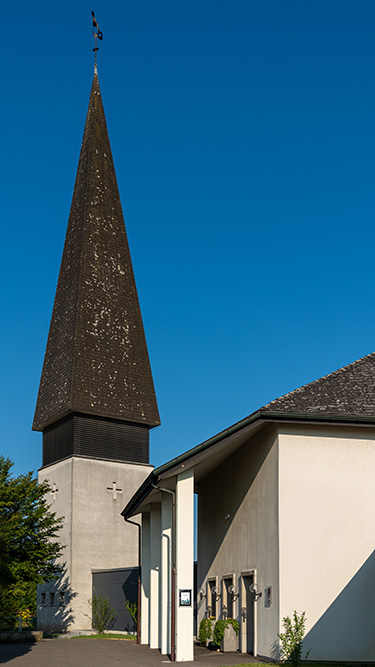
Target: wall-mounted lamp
{"x":201,"y":594}
{"x":254,"y":589}
{"x":233,"y":591}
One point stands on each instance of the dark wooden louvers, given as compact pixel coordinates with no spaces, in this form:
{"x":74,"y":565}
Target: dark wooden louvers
{"x":92,"y":437}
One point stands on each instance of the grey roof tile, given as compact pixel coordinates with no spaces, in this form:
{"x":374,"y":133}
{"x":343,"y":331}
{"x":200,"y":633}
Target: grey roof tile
{"x":349,"y":391}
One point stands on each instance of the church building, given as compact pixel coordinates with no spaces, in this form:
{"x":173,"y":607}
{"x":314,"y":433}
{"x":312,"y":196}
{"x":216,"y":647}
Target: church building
{"x":96,"y":401}
{"x":286,"y":516}
{"x":286,"y":496}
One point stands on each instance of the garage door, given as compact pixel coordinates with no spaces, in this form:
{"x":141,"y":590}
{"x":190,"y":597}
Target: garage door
{"x":119,"y":586}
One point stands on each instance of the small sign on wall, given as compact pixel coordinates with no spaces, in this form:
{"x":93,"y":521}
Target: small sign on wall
{"x":185,"y":597}
{"x":268,"y":597}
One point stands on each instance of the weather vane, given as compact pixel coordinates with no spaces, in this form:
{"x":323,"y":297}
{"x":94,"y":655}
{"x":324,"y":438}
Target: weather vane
{"x":97,"y":34}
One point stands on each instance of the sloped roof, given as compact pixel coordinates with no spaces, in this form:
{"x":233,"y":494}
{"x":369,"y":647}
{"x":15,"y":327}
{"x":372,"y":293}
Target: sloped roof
{"x":345,"y":396}
{"x":349,"y":391}
{"x":96,"y":359}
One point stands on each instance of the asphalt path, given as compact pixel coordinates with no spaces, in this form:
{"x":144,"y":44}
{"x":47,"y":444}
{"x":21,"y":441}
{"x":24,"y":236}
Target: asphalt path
{"x":81,"y":652}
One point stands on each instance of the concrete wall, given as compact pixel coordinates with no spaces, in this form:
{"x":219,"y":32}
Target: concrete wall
{"x":327,"y":519}
{"x":94,"y":532}
{"x":51,"y":614}
{"x":238,"y":528}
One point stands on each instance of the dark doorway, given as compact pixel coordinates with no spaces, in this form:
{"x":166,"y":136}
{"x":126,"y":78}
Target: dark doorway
{"x":211,"y":598}
{"x":118,"y":586}
{"x":247,"y":614}
{"x":227,"y":597}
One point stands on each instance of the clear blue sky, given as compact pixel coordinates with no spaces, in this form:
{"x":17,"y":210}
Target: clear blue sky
{"x":243,"y":136}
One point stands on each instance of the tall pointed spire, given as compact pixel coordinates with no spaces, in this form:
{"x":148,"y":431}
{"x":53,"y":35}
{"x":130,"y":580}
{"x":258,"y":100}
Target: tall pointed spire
{"x":96,"y":360}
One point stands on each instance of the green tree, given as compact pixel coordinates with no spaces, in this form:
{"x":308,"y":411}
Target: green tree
{"x":28,"y":540}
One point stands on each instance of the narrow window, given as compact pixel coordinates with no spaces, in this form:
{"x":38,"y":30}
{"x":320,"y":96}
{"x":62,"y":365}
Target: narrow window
{"x":42,"y":598}
{"x":52,"y":599}
{"x":61,"y":599}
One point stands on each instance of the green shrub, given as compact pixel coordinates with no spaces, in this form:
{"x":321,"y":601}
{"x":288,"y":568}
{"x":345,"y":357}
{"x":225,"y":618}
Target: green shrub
{"x":205,"y":631}
{"x":292,"y":637}
{"x":103,"y":615}
{"x":132,"y":609}
{"x":220,"y":628}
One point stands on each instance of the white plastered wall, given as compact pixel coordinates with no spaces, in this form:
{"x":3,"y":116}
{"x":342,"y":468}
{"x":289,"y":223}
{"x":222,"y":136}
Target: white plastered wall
{"x":165,"y":574}
{"x":155,"y":563}
{"x":184,"y":564}
{"x":327,"y":537}
{"x":238,"y":528}
{"x":94,"y":532}
{"x":145,"y":578}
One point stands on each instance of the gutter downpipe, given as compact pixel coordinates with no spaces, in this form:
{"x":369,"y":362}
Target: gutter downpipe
{"x":139,"y":576}
{"x":173,"y":582}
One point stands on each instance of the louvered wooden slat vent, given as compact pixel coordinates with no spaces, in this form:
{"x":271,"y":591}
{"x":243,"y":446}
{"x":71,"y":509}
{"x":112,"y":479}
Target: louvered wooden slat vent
{"x":58,"y":441}
{"x":93,"y":437}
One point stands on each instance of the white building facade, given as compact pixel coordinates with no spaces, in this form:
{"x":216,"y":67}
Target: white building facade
{"x":286,"y":502}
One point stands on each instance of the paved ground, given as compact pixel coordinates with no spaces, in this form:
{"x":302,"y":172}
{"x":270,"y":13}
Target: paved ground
{"x":104,"y":653}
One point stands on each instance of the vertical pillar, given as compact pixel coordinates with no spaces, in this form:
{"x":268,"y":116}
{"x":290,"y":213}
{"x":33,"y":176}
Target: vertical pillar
{"x":155,"y":528}
{"x":145,"y":590}
{"x":166,"y":572}
{"x":185,"y":564}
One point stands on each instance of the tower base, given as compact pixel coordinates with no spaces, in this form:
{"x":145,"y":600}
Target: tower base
{"x":90,"y":495}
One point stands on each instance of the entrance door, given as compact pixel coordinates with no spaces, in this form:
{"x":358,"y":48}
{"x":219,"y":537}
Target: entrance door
{"x":247,"y":615}
{"x":211,"y":598}
{"x":227,"y":597}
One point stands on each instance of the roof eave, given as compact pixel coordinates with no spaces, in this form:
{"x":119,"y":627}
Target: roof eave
{"x":155,"y":476}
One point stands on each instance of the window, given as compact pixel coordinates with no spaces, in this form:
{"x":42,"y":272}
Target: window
{"x":61,"y":599}
{"x":52,"y":598}
{"x":42,"y":598}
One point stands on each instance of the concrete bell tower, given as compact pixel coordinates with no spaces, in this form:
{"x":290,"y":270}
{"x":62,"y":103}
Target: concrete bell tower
{"x":96,"y":401}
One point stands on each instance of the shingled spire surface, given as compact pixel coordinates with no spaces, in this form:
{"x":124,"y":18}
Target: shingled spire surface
{"x":96,"y":360}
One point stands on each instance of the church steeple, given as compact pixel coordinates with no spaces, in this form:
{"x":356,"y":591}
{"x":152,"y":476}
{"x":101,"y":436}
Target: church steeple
{"x":96,"y":362}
